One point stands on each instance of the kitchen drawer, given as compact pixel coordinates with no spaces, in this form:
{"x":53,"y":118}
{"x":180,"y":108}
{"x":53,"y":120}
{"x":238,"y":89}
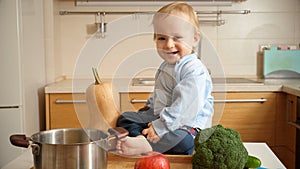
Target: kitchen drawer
{"x":64,"y":110}
{"x":133,"y":101}
{"x":255,"y":121}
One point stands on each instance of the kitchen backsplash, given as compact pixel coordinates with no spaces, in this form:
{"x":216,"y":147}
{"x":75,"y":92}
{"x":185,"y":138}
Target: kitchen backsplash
{"x":128,"y":48}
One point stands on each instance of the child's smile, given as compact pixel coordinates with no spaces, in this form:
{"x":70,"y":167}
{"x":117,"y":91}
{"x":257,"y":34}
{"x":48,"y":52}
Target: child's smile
{"x":172,"y":53}
{"x":170,"y":57}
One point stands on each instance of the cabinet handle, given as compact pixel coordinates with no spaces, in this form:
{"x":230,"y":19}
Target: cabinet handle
{"x":294,"y":124}
{"x":262,"y":100}
{"x":133,"y":101}
{"x":9,"y":107}
{"x":58,"y":101}
{"x":288,"y":114}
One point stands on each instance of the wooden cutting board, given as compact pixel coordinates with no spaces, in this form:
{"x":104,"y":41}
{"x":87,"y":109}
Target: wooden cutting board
{"x":119,"y":162}
{"x":176,"y":162}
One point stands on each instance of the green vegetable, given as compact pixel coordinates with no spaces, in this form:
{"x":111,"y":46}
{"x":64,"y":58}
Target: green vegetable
{"x":219,"y":148}
{"x":252,"y":162}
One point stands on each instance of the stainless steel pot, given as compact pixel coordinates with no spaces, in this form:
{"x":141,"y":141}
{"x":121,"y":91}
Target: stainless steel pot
{"x":72,"y":148}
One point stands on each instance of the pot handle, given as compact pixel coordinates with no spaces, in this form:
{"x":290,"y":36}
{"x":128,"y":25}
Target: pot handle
{"x":19,"y":140}
{"x":110,"y":142}
{"x":118,"y":132}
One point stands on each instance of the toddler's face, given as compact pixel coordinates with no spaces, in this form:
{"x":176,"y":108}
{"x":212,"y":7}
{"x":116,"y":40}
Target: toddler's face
{"x":175,"y":37}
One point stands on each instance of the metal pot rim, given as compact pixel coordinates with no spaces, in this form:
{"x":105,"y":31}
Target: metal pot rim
{"x":86,"y":132}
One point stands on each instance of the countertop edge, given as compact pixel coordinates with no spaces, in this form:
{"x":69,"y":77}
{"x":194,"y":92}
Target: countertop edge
{"x":123,"y":86}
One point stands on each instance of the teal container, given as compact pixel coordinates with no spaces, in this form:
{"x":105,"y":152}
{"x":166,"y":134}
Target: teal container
{"x":281,"y":63}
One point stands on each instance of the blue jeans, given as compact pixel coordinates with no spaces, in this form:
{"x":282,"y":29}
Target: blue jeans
{"x":174,"y":142}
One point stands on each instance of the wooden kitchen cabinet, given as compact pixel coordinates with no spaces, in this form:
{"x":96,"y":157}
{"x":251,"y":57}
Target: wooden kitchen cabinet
{"x":255,"y":121}
{"x":291,"y":117}
{"x":285,"y":147}
{"x":65,"y":110}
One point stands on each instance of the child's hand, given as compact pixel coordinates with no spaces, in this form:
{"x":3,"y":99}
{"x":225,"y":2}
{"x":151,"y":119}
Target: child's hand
{"x":151,"y":134}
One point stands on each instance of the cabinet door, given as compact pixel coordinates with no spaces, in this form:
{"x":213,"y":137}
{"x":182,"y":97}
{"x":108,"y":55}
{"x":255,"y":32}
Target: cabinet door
{"x":291,"y":118}
{"x":67,"y":111}
{"x":255,"y":121}
{"x":133,"y":101}
{"x":286,"y":156}
{"x":285,"y":133}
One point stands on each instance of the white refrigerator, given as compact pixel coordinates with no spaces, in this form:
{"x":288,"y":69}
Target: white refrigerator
{"x":11,"y":108}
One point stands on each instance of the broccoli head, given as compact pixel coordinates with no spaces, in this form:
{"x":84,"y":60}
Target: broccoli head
{"x":219,"y":148}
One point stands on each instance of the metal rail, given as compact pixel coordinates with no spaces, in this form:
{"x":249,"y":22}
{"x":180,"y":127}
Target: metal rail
{"x":58,"y":101}
{"x":218,"y":12}
{"x":261,"y":100}
{"x":217,"y":21}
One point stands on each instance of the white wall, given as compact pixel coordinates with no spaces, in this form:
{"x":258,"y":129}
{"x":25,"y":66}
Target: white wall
{"x":270,"y":22}
{"x":237,"y":42}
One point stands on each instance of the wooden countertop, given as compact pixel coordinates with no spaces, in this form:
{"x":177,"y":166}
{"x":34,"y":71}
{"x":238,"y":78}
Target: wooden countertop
{"x":123,"y":85}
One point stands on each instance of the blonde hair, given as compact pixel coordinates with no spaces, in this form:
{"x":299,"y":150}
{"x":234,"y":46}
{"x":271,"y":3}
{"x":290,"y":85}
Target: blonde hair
{"x":181,"y":7}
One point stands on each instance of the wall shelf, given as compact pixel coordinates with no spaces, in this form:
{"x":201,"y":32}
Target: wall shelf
{"x":216,"y":15}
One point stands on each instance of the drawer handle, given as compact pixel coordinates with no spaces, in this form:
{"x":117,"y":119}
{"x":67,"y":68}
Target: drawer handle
{"x":133,"y":101}
{"x":58,"y":101}
{"x":262,"y":100}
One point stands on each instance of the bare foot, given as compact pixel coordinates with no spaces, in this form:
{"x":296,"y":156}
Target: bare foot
{"x":133,"y":145}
